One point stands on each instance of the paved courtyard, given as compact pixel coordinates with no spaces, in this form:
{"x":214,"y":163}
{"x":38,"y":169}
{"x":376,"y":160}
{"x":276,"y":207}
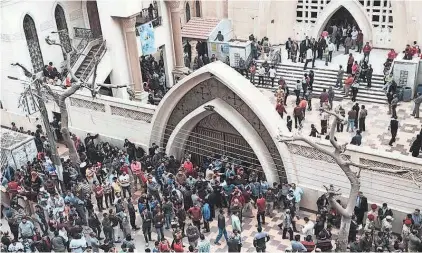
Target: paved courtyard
{"x":276,"y":243}
{"x":377,"y":134}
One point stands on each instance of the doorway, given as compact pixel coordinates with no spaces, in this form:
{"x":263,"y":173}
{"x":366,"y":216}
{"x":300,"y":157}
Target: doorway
{"x":94,"y":19}
{"x":342,"y":17}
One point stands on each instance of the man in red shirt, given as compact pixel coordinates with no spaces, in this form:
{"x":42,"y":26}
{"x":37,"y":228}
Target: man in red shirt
{"x":188,"y":168}
{"x":280,"y":109}
{"x":308,"y":243}
{"x":12,"y":187}
{"x":391,"y":55}
{"x":366,"y":51}
{"x":298,"y":115}
{"x":195,"y":214}
{"x":99,"y":194}
{"x":260,"y":203}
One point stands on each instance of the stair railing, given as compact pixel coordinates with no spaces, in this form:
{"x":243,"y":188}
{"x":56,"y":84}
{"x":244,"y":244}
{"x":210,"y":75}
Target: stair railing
{"x":86,"y":36}
{"x":97,"y":57}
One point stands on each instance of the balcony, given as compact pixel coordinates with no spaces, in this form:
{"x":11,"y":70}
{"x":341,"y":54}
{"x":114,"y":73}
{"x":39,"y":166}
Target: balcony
{"x":149,"y":15}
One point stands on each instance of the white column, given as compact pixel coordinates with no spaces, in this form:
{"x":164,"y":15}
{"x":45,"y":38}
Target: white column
{"x":132,"y":52}
{"x":225,"y":9}
{"x":176,"y":32}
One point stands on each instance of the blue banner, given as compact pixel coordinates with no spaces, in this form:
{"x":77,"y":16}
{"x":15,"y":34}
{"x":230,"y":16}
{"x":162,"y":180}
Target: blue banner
{"x":147,"y":36}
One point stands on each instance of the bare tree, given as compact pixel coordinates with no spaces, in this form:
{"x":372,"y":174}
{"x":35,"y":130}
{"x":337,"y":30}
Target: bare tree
{"x":35,"y":83}
{"x":60,"y":97}
{"x":76,"y":84}
{"x":353,"y":177}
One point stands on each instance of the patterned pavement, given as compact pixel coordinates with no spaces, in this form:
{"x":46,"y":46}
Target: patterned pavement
{"x":377,"y":134}
{"x":249,"y":227}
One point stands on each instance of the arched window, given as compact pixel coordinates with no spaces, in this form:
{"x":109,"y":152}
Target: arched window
{"x":187,"y":12}
{"x":94,"y":18}
{"x":34,"y":48}
{"x":198,"y":8}
{"x":62,"y":29}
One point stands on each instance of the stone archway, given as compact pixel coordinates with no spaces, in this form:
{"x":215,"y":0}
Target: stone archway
{"x":177,"y":139}
{"x":235,"y":99}
{"x":354,"y":8}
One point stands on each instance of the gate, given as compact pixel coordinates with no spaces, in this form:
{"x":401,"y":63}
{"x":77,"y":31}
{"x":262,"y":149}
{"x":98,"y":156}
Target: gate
{"x":209,"y":143}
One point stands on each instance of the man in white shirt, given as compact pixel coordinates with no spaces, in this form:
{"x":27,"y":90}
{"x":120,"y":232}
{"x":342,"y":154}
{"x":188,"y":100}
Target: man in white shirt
{"x":331,"y":48}
{"x":272,"y":73}
{"x":309,"y":57}
{"x":15,"y":246}
{"x":78,"y":244}
{"x":308,"y":228}
{"x":124,"y":181}
{"x":261,"y":73}
{"x":354,"y":37}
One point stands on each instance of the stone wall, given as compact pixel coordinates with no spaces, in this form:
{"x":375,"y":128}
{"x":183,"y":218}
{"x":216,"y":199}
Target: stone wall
{"x":314,"y":169}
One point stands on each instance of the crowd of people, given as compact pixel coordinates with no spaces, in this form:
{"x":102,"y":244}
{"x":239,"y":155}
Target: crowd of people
{"x":154,"y":77}
{"x":94,"y":207}
{"x":113,"y":192}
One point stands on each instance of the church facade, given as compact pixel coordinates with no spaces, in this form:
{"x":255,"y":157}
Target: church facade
{"x":384,"y":23}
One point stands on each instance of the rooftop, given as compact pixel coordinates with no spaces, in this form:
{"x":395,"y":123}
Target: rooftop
{"x":10,"y":139}
{"x":199,"y":28}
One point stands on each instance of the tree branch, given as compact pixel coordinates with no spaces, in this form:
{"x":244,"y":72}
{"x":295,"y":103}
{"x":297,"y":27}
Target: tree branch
{"x":338,"y":149}
{"x":69,"y":92}
{"x":55,"y":96}
{"x":112,"y":86}
{"x":367,"y":167}
{"x":338,"y":207}
{"x":307,"y":141}
{"x":333,"y":202}
{"x":69,"y":68}
{"x":412,"y":175}
{"x":25,"y":70}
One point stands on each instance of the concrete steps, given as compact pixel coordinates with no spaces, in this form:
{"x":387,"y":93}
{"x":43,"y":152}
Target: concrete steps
{"x":324,"y":78}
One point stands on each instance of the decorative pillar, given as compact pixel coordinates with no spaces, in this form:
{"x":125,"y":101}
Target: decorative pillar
{"x":176,"y":32}
{"x":225,"y":9}
{"x":180,"y":70}
{"x":132,"y":53}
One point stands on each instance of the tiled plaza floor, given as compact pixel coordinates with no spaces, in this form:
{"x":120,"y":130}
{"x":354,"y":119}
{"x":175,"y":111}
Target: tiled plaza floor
{"x":249,"y":226}
{"x":377,"y":134}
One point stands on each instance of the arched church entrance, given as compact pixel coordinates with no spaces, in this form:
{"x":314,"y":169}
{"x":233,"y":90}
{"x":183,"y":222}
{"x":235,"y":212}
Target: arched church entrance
{"x":343,"y":13}
{"x":220,"y":137}
{"x":342,"y":17}
{"x":218,"y":112}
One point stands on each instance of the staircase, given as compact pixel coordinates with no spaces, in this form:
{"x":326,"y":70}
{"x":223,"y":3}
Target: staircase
{"x":324,"y":78}
{"x":86,"y":68}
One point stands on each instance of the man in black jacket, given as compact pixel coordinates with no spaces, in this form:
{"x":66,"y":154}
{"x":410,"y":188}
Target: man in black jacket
{"x":132,"y":215}
{"x":361,"y":207}
{"x":260,"y":240}
{"x":394,"y":127}
{"x":289,"y":47}
{"x":146,"y":217}
{"x":221,"y":227}
{"x":95,"y":224}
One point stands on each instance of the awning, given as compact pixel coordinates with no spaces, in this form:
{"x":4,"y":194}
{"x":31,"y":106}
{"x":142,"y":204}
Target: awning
{"x":199,"y":28}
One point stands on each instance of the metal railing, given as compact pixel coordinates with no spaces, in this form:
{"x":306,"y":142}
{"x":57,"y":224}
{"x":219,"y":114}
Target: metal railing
{"x":97,"y":57}
{"x":146,"y":16}
{"x":86,"y":36}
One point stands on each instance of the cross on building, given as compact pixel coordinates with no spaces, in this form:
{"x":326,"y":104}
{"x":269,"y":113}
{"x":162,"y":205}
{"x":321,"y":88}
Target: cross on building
{"x":234,"y":97}
{"x":202,"y":92}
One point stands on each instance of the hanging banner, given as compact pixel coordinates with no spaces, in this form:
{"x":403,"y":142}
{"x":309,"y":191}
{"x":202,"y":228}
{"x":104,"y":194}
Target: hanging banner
{"x":147,"y":36}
